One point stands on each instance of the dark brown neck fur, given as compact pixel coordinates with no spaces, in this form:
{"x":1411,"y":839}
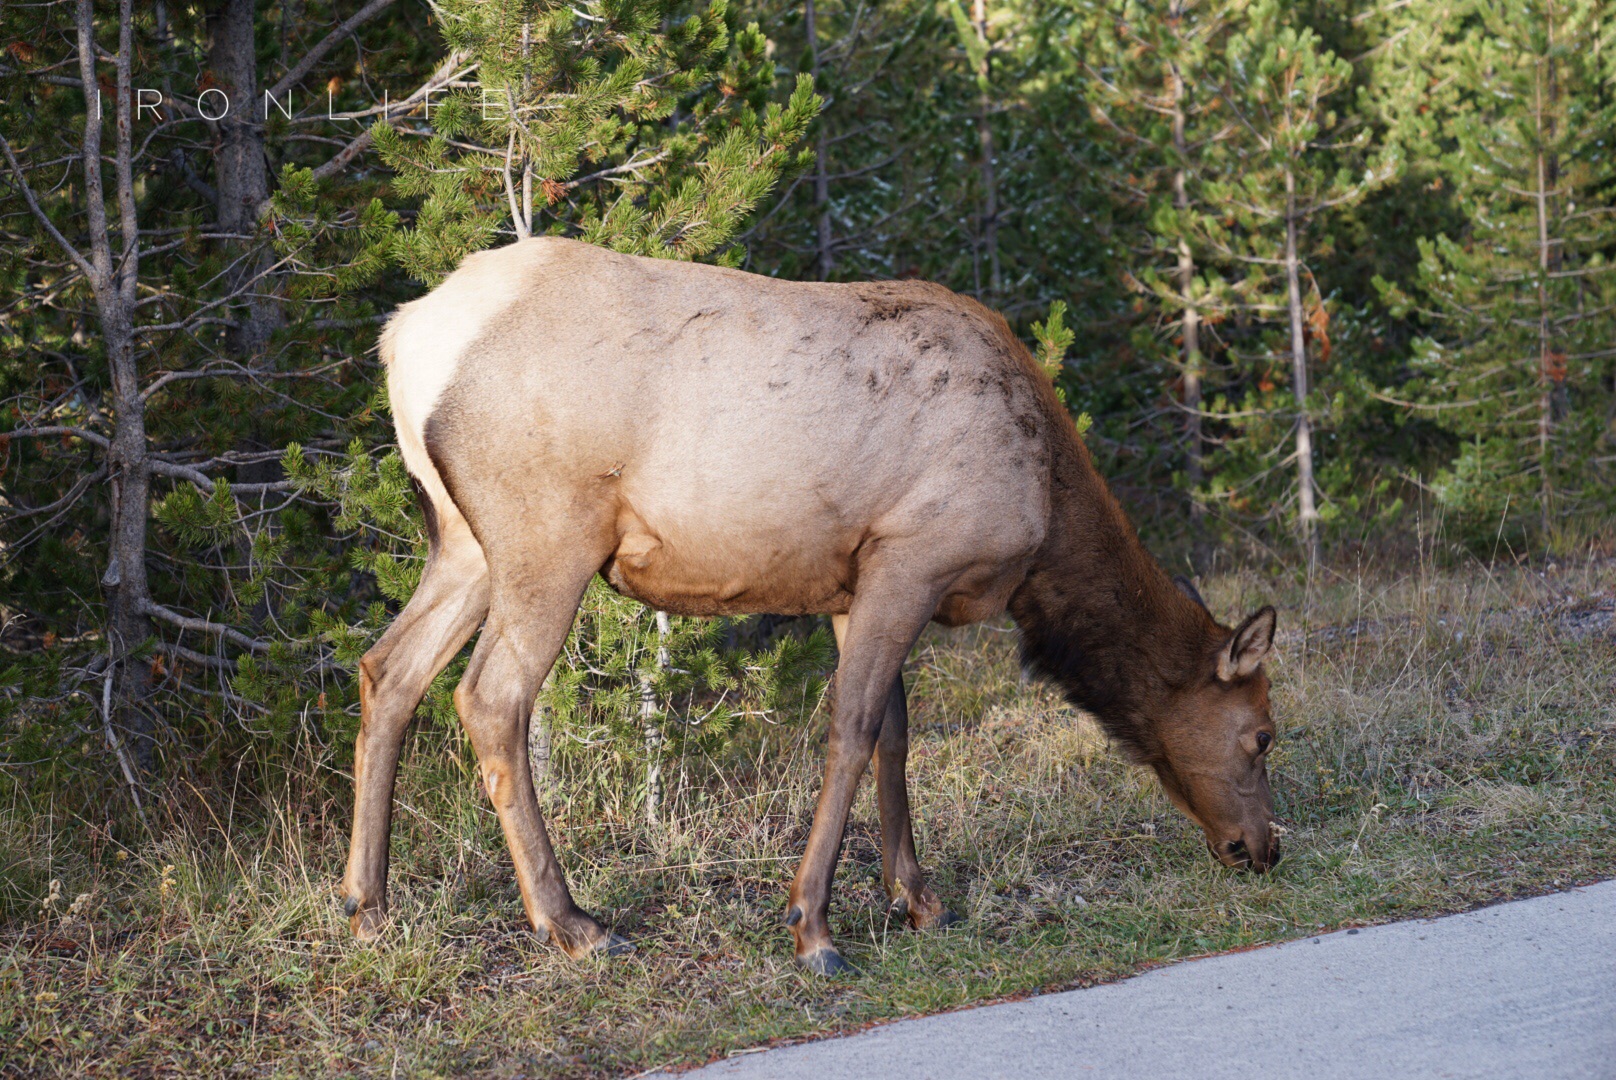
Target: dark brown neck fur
{"x":1099,"y":616}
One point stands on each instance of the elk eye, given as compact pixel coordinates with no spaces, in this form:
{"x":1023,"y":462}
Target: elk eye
{"x":1263,"y":741}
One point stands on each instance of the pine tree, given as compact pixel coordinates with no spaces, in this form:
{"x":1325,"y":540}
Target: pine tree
{"x":874,"y":65}
{"x":908,"y":181}
{"x":1155,"y":78}
{"x":642,"y":125}
{"x":152,"y":353}
{"x":1518,"y":362}
{"x":1294,"y":159}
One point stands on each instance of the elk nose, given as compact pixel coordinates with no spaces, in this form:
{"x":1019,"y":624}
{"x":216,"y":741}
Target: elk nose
{"x":1274,"y":854}
{"x":1268,"y":855}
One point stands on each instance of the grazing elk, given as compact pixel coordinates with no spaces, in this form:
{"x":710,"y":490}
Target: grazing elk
{"x":714,"y":442}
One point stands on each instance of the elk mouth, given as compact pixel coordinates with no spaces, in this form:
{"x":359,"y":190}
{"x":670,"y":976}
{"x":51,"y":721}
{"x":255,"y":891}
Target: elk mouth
{"x":1235,"y":854}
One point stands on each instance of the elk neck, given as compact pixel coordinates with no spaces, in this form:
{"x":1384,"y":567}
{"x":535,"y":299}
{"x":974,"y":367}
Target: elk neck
{"x":1099,"y":616}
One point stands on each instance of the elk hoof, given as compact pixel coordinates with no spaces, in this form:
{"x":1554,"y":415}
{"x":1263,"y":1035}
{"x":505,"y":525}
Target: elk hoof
{"x":615,"y":945}
{"x":588,"y":939}
{"x":366,"y":923}
{"x":825,"y":962}
{"x":926,"y":913}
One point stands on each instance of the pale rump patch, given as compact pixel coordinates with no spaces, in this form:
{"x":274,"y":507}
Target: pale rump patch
{"x":424,"y":342}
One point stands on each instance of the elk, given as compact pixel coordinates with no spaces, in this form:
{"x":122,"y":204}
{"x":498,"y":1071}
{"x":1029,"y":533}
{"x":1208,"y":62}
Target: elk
{"x":715,"y":442}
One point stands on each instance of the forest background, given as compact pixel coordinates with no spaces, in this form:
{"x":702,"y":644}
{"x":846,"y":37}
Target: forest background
{"x":1320,"y":275}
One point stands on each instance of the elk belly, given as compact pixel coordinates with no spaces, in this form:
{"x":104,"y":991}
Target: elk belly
{"x":710,"y":578}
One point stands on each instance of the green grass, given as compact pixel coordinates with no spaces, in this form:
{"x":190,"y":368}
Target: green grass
{"x":1448,"y":738}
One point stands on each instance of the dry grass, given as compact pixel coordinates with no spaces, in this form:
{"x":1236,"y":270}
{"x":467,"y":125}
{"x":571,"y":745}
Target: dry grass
{"x":1447,"y":740}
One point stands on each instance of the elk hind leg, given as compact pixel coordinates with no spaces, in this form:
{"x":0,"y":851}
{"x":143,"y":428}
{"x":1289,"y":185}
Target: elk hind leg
{"x":524,"y":635}
{"x":445,"y":610}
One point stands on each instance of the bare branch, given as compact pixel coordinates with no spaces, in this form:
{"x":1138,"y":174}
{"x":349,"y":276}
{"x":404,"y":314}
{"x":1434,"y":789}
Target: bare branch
{"x":33,"y":205}
{"x":194,"y":318}
{"x":348,"y":324}
{"x":1431,"y":405}
{"x":517,"y":218}
{"x":182,"y":165}
{"x":66,"y":501}
{"x":205,"y":482}
{"x":329,"y":42}
{"x":618,"y":170}
{"x":116,"y":744}
{"x":180,"y":652}
{"x":42,"y":432}
{"x":203,"y":626}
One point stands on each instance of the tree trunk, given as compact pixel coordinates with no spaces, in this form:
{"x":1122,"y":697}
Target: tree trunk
{"x":125,"y":577}
{"x":651,"y":719}
{"x":984,"y":134}
{"x":242,"y":175}
{"x":1191,"y":319}
{"x":1551,"y":369}
{"x":539,"y":744}
{"x":240,"y":169}
{"x":114,"y":282}
{"x":825,"y":249}
{"x":1304,"y":424}
{"x":527,"y":165}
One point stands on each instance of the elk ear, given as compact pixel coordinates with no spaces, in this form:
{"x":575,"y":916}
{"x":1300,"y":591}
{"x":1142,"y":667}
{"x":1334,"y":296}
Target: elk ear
{"x":1248,"y":647}
{"x":1187,"y":587}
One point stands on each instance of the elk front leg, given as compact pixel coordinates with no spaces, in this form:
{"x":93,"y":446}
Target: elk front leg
{"x":879,"y":632}
{"x":907,"y":891}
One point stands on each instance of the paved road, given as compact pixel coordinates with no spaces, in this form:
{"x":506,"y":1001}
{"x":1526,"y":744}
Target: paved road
{"x":1521,"y":991}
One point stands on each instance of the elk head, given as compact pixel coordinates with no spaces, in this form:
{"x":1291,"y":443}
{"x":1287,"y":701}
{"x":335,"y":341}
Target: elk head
{"x":1213,"y":739}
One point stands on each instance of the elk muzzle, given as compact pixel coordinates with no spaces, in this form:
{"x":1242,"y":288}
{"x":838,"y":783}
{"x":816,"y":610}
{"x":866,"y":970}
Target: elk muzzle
{"x":1256,"y":850}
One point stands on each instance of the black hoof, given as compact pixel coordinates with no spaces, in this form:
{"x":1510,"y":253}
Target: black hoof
{"x":946,"y":919}
{"x":350,"y":907}
{"x":615,"y":946}
{"x":825,"y":962}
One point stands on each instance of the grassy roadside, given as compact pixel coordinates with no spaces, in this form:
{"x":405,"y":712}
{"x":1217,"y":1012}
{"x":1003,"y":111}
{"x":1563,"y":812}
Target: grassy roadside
{"x":1448,"y":738}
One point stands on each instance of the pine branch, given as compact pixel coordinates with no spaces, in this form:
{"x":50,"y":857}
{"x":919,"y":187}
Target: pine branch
{"x":447,"y":72}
